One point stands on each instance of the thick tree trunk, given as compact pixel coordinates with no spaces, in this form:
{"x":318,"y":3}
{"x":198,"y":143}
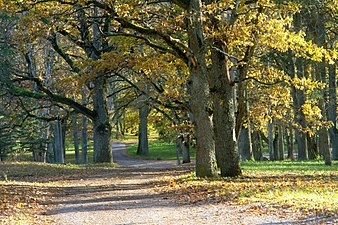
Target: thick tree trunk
{"x":142,"y":148}
{"x":200,"y":102}
{"x":205,"y":145}
{"x":58,"y":143}
{"x":101,"y":122}
{"x":102,"y":128}
{"x":223,"y":117}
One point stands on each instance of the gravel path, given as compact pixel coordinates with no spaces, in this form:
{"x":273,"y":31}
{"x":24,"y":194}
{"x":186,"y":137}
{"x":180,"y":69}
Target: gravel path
{"x":126,"y":197}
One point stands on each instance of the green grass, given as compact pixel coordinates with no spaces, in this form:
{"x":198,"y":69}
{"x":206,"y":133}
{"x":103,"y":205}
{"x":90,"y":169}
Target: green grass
{"x":158,"y":150}
{"x":305,"y":187}
{"x":289,"y":167}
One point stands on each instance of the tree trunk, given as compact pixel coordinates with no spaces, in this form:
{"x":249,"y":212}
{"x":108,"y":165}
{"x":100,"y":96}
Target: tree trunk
{"x":257,"y":146}
{"x":300,"y":117}
{"x":58,"y":143}
{"x":50,"y":158}
{"x":290,"y":143}
{"x":84,"y":136}
{"x":178,"y":149}
{"x":200,"y":102}
{"x":223,"y":117}
{"x":101,"y":122}
{"x":324,"y":144}
{"x":312,"y":147}
{"x":276,"y":144}
{"x":39,"y":152}
{"x":332,"y":110}
{"x":319,"y":31}
{"x":270,"y":141}
{"x":186,"y":152}
{"x":102,"y":128}
{"x":142,"y":148}
{"x":281,"y":142}
{"x":75,"y":137}
{"x":245,"y":144}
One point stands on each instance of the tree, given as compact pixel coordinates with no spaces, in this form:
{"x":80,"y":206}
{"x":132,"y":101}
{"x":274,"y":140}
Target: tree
{"x":40,"y":16}
{"x":228,"y":49}
{"x":142,"y":148}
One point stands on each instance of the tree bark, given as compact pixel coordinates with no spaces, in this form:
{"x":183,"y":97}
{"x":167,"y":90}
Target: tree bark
{"x":186,"y":150}
{"x":58,"y":143}
{"x":178,"y":149}
{"x":290,"y":143}
{"x":75,"y":137}
{"x":276,"y":144}
{"x":183,"y":147}
{"x":101,"y":123}
{"x":332,"y":110}
{"x":84,"y":136}
{"x":226,"y":147}
{"x":324,"y":144}
{"x":200,"y":102}
{"x":245,"y":144}
{"x":281,"y":142}
{"x":300,"y":117}
{"x":312,"y":147}
{"x":143,"y":148}
{"x":102,"y":128}
{"x":299,"y":98}
{"x":270,"y":141}
{"x":256,"y":146}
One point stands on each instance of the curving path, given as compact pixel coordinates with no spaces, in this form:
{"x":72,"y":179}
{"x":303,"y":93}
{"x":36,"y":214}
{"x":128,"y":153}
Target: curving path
{"x":121,"y":158}
{"x":125,"y":196}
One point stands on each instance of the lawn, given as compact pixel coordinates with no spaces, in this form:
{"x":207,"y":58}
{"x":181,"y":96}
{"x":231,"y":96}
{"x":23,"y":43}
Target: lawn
{"x":306,"y":188}
{"x":158,"y":150}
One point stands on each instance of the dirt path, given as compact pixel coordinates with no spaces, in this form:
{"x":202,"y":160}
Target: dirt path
{"x":125,"y":195}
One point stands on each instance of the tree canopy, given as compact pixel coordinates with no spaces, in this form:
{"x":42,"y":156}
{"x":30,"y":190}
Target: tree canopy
{"x":227,"y":64}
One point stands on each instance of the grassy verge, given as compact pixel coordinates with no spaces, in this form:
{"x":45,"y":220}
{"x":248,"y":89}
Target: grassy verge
{"x":306,"y":188}
{"x":158,"y":150}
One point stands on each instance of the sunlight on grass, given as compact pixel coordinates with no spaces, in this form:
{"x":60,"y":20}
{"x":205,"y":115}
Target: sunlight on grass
{"x":305,"y":187}
{"x":158,"y":150}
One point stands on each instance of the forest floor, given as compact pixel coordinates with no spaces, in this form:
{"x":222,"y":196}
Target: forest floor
{"x":148,"y":192}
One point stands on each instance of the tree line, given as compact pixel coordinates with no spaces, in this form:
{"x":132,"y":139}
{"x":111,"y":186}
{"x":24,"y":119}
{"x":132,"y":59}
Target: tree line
{"x":225,"y":75}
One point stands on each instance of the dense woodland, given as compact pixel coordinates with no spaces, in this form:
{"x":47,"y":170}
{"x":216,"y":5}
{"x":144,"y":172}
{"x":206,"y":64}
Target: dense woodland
{"x":225,"y":77}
